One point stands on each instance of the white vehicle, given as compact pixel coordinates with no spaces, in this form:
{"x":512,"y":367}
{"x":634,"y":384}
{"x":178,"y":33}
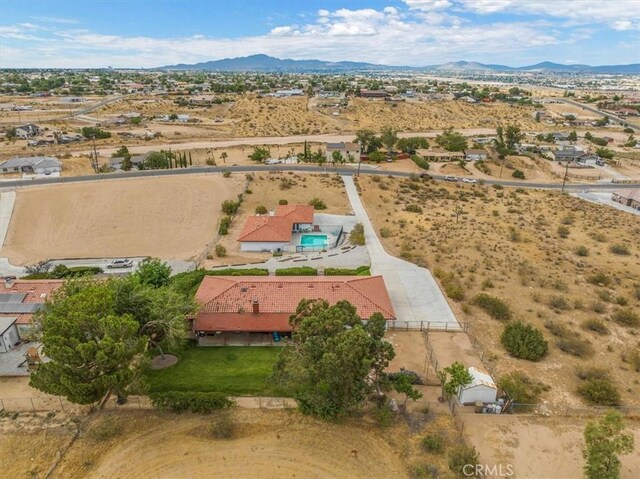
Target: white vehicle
{"x":450,"y":178}
{"x":469,"y":180}
{"x":120,"y":263}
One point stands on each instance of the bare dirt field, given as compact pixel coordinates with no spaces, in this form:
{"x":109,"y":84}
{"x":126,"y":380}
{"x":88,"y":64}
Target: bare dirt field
{"x":267,"y":190}
{"x":171,"y":218}
{"x":538,"y":447}
{"x":507,"y":243}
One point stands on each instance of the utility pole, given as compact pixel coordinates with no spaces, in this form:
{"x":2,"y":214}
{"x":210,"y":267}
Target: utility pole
{"x":502,"y":166}
{"x":564,"y":180}
{"x":94,"y":163}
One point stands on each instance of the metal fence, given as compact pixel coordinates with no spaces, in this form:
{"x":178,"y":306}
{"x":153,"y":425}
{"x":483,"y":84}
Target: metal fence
{"x":397,"y":325}
{"x":39,"y":404}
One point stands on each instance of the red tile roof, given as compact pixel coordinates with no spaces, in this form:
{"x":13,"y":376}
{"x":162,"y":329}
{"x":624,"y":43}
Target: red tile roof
{"x":276,"y":228}
{"x":227,"y":302}
{"x":266,"y":228}
{"x":37,"y":291}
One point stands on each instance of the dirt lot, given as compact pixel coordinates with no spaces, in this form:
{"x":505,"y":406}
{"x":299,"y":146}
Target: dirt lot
{"x":524,"y":441}
{"x":171,"y":218}
{"x":267,"y":190}
{"x":265,"y":444}
{"x":507,"y":244}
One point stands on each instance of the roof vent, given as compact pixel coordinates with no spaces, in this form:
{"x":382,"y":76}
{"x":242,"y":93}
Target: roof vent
{"x":243,"y":289}
{"x":280,"y":285}
{"x":310,"y":286}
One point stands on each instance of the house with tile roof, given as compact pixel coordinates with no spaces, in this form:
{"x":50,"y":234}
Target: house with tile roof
{"x":19,"y":301}
{"x":273,"y":231}
{"x":259,"y":306}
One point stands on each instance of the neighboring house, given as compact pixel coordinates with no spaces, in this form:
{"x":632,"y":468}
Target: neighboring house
{"x":561,"y":136}
{"x":481,"y":388}
{"x":475,"y":155}
{"x":484,"y":140}
{"x":27,"y":131}
{"x":263,"y":304}
{"x":440,"y":155}
{"x":273,"y":232}
{"x":19,"y":300}
{"x":347,"y":150}
{"x":373,"y":94}
{"x":627,"y":198}
{"x":32,"y":164}
{"x":183,"y":118}
{"x":115,"y":163}
{"x":290,"y":92}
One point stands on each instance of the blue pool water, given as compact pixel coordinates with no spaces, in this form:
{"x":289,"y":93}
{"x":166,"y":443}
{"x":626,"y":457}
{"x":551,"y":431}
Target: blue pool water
{"x":313,"y":240}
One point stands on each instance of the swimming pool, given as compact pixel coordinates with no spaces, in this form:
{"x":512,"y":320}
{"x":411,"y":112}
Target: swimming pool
{"x":313,"y":240}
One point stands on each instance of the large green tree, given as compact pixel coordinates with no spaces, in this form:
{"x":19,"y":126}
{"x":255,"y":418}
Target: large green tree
{"x":332,"y":353}
{"x":452,"y":140}
{"x":153,"y":272}
{"x":389,"y":138}
{"x":454,"y":377}
{"x":604,"y":441}
{"x":90,"y":350}
{"x":368,"y":140}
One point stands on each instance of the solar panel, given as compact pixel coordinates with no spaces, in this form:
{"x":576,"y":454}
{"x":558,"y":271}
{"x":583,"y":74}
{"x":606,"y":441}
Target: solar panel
{"x":20,"y":307}
{"x":12,"y":297}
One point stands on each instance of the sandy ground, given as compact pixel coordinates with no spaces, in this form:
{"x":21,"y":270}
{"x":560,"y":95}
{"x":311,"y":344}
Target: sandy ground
{"x":538,"y":447}
{"x":267,"y":444}
{"x":506,"y":244}
{"x":171,"y":218}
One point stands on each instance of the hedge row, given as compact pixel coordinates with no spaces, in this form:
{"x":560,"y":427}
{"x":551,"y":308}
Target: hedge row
{"x":495,"y":307}
{"x":360,"y":271}
{"x":238,"y":272}
{"x":297,"y":271}
{"x":61,"y":272}
{"x":198,"y":402}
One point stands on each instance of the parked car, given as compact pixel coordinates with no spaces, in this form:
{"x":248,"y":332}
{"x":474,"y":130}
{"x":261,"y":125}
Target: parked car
{"x":450,"y":178}
{"x":425,"y":176}
{"x":120,"y":263}
{"x":469,"y":180}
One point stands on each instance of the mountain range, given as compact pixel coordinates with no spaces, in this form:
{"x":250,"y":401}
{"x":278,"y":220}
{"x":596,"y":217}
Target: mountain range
{"x":265,"y":63}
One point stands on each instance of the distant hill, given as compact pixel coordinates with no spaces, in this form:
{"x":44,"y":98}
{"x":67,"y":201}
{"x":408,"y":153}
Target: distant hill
{"x":265,"y":63}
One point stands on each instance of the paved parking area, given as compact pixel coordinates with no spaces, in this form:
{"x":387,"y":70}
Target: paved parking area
{"x":604,"y":198}
{"x":413,"y":290}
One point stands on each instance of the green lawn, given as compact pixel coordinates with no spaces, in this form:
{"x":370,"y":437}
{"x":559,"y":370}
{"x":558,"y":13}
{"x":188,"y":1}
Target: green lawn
{"x":234,"y":371}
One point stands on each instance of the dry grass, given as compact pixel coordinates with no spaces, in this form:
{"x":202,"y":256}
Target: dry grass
{"x":506,"y":244}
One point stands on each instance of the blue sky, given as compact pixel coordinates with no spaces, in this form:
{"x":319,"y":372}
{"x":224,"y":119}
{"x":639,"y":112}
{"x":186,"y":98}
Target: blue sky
{"x":148,"y":33}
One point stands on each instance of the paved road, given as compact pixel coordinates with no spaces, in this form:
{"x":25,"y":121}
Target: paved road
{"x":599,"y":112}
{"x":413,"y":290}
{"x":96,"y":106}
{"x":304,"y":168}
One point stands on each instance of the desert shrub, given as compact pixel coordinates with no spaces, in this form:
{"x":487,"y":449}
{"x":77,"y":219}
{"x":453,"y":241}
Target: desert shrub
{"x":226,"y":174}
{"x":632,"y":357}
{"x":221,"y":251}
{"x":494,"y":307}
{"x":599,"y":278}
{"x":599,"y":307}
{"x":359,"y":271}
{"x":575,"y":346}
{"x":432,"y":443}
{"x":518,"y":174}
{"x":521,"y":388}
{"x":283,"y":202}
{"x":524,"y":341}
{"x":105,"y":429}
{"x":563,"y":231}
{"x":261,"y":210}
{"x":454,"y":290}
{"x":591,"y":372}
{"x":318,"y":204}
{"x":385,"y":232}
{"x":198,"y":402}
{"x":223,"y":427}
{"x":225,"y":221}
{"x":286,"y":183}
{"x":487,"y":284}
{"x":626,"y":317}
{"x":297,"y":271}
{"x":568,"y":220}
{"x":620,"y":249}
{"x":356,"y":237}
{"x":460,"y":456}
{"x":557,"y":329}
{"x":599,"y":391}
{"x":229,"y":207}
{"x":636,"y":292}
{"x":413,"y":208}
{"x":423,"y":471}
{"x":559,"y":303}
{"x":238,"y":272}
{"x":582,"y":251}
{"x":595,"y":325}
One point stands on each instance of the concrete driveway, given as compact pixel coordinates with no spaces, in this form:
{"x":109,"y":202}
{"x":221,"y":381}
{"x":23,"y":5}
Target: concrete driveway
{"x":414,"y":292}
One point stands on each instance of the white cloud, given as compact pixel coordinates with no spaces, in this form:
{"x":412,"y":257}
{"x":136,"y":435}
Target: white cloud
{"x":428,"y":5}
{"x":59,"y":20}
